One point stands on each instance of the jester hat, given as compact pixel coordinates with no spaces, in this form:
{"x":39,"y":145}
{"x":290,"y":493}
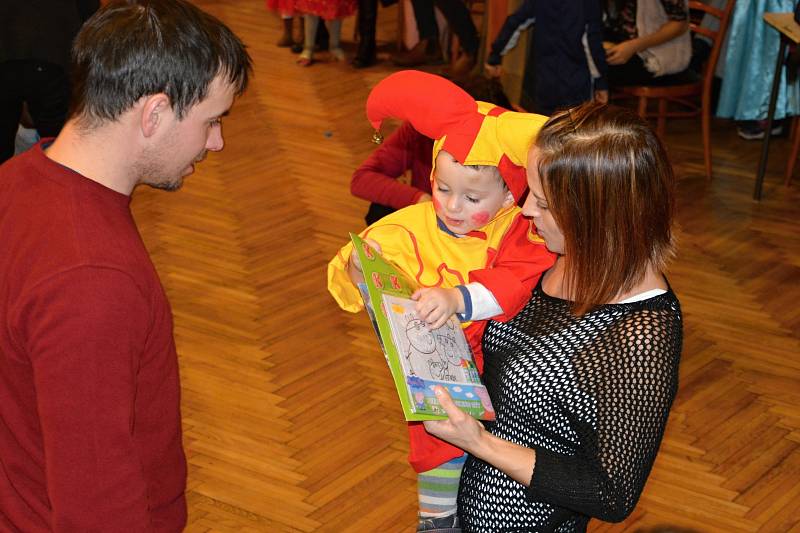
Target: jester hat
{"x":474,"y":133}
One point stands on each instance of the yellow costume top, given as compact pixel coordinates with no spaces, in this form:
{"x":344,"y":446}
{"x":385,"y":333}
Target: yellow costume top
{"x":413,"y":240}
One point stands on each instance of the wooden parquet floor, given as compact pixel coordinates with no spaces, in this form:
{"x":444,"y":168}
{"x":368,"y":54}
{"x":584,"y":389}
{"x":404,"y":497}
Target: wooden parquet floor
{"x":291,"y":420}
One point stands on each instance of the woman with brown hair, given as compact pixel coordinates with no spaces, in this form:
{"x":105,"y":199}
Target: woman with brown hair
{"x":583,"y":378}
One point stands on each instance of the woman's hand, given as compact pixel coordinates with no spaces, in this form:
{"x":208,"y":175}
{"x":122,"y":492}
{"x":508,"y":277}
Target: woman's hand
{"x":620,"y":53}
{"x":435,"y":305}
{"x":460,"y":429}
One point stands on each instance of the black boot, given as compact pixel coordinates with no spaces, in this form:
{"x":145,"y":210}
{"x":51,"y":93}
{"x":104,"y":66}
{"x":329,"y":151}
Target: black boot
{"x":285,"y":40}
{"x":323,"y":37}
{"x":367,"y":20}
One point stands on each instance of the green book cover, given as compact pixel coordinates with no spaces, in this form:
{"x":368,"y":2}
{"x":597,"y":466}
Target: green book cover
{"x":418,"y":357}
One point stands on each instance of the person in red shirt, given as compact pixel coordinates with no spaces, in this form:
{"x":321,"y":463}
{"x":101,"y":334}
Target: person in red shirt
{"x":90,"y":429}
{"x":378,"y":178}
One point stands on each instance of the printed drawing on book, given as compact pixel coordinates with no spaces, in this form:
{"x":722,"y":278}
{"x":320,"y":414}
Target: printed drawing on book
{"x":428,"y":354}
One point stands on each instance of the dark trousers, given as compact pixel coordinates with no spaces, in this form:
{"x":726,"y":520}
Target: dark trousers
{"x":457,"y":16}
{"x":631,"y":73}
{"x":45,"y":88}
{"x":377,"y":212}
{"x":367,"y":20}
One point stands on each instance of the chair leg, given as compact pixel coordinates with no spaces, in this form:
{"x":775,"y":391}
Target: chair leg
{"x":793,"y":153}
{"x":706,"y":121}
{"x":661,"y":125}
{"x":643,"y":107}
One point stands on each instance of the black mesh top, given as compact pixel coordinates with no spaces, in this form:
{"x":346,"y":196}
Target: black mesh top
{"x":591,"y":395}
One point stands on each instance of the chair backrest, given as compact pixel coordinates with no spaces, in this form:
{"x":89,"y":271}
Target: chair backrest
{"x":717,"y":37}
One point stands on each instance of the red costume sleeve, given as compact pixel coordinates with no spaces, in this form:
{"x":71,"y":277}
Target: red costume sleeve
{"x":376,"y":179}
{"x":514,"y":271}
{"x":86,"y":331}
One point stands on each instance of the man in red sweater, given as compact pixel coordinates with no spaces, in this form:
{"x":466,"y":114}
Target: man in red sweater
{"x":90,"y":435}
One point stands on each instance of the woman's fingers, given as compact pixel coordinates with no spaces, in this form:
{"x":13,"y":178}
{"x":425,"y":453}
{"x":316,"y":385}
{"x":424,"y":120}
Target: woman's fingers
{"x":446,"y":401}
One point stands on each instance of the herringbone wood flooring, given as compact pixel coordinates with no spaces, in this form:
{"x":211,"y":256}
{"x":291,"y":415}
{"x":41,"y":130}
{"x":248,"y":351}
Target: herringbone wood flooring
{"x":291,"y":420}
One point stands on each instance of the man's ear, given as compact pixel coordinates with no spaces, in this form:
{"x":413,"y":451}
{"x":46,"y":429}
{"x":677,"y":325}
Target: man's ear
{"x":155,"y":109}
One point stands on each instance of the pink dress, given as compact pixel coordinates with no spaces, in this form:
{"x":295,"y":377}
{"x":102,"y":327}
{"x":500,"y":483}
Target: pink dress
{"x":327,"y":9}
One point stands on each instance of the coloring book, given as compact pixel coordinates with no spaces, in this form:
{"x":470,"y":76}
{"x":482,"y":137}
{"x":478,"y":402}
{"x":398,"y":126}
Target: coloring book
{"x":419,"y":358}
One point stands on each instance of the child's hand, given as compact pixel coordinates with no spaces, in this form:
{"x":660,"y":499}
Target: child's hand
{"x":354,"y":265}
{"x":355,"y":262}
{"x":435,"y":305}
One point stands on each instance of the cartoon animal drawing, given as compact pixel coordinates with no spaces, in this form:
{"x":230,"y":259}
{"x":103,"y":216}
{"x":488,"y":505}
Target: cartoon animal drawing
{"x":446,"y":344}
{"x":417,"y":386}
{"x":419,"y":339}
{"x":447,"y":350}
{"x":430,"y":354}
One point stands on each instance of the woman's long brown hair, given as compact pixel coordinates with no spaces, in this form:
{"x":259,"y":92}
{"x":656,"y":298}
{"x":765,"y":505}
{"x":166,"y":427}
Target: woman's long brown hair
{"x":610,"y":187}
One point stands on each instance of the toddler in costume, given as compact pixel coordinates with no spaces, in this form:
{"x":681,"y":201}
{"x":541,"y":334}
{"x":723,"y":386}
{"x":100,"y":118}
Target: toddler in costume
{"x":470,"y":249}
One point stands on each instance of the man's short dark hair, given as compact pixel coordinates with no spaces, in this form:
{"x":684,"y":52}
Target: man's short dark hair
{"x":134,"y":48}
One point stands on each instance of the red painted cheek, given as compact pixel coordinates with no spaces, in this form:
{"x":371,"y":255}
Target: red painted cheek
{"x":480,"y":218}
{"x":436,"y":205}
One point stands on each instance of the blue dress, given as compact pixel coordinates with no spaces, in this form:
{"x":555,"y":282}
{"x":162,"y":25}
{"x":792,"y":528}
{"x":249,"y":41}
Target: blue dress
{"x":749,"y":64}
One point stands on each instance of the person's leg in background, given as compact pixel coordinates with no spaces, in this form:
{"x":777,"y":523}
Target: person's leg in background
{"x":47,"y":95}
{"x":427,"y":49}
{"x":323,"y":38}
{"x":460,"y":21}
{"x":320,"y":39}
{"x":367,"y":22}
{"x":307,"y":55}
{"x":631,"y":73}
{"x":335,"y":35}
{"x":377,"y":212}
{"x":285,"y":40}
{"x":10,"y":106}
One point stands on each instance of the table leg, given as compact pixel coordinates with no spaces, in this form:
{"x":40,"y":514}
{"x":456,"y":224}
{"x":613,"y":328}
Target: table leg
{"x":773,"y":97}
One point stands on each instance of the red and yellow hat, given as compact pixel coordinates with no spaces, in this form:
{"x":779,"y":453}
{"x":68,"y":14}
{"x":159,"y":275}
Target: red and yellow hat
{"x":474,"y":133}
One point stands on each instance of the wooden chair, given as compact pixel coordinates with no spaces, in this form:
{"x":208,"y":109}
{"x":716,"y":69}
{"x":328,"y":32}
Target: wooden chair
{"x":684,"y":92}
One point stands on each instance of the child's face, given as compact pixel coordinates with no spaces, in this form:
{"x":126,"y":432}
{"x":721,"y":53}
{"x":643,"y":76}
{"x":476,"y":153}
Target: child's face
{"x":466,"y":199}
